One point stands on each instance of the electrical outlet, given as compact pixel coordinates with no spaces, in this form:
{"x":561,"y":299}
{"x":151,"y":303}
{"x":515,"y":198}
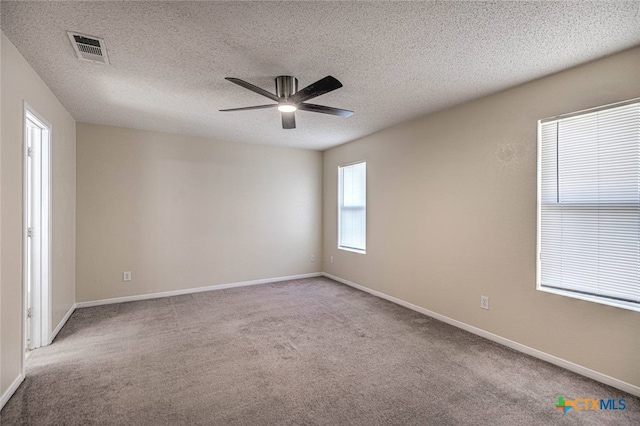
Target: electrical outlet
{"x":313,"y":257}
{"x":126,"y":276}
{"x":484,"y":302}
{"x":331,"y":259}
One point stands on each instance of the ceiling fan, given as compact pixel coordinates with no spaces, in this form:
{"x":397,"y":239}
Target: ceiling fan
{"x":289,"y":99}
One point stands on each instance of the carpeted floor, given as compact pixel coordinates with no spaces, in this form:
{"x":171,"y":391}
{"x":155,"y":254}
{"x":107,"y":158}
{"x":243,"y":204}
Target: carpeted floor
{"x":306,"y":352}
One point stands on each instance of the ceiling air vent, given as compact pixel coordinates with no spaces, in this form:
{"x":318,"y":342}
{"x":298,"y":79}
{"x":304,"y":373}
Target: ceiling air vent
{"x":89,"y":48}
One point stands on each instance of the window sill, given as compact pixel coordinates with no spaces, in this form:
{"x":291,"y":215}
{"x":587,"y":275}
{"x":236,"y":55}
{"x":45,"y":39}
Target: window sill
{"x":590,"y":298}
{"x":352,"y":250}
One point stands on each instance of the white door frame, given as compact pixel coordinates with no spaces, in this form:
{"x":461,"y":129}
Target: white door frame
{"x":41,"y":235}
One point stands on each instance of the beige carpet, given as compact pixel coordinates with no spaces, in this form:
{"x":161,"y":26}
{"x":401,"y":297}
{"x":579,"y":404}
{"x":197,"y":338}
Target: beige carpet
{"x":307,"y":352}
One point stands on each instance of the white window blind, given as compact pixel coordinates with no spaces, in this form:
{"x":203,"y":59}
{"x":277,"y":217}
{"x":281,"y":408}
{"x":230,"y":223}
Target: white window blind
{"x":352,"y":207}
{"x":589,"y":205}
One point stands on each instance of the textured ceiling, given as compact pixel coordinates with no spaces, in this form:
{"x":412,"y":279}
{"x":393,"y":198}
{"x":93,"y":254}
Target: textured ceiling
{"x":397,"y":60}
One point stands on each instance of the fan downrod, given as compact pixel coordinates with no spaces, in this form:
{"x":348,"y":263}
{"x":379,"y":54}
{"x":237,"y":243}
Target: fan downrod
{"x":286,"y":86}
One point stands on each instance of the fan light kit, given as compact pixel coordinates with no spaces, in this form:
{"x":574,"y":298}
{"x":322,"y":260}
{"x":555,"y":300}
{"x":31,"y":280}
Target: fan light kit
{"x":287,"y":108}
{"x":289,"y":99}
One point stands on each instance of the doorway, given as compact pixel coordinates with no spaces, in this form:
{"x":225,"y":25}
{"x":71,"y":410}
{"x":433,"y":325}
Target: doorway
{"x":37,"y":219}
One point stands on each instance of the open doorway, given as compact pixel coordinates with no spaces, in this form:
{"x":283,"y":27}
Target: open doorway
{"x":37,"y":218}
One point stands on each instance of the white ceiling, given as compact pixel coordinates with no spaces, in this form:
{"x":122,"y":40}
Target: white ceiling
{"x":397,"y":60}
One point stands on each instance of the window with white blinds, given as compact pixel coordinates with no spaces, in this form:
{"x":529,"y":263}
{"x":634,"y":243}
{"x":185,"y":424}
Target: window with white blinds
{"x":589,"y":205}
{"x":352,"y":207}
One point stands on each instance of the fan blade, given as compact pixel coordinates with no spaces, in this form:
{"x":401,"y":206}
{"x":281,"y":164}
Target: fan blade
{"x":252,"y":88}
{"x":325,"y":110}
{"x":251,"y":107}
{"x":288,"y":120}
{"x":318,"y":88}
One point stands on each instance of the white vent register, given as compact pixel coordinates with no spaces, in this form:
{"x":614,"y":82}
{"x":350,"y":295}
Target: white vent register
{"x":89,"y":48}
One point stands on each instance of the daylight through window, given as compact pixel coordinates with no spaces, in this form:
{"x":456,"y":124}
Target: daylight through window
{"x":589,"y":205}
{"x":352,"y":207}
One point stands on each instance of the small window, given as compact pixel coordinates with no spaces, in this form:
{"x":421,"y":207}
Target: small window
{"x":589,"y":205}
{"x":352,"y":207}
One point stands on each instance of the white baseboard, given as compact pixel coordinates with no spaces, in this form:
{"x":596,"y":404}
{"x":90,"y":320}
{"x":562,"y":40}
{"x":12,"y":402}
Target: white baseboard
{"x":193,"y":290}
{"x":62,"y":323}
{"x":11,"y":390}
{"x":602,"y":378}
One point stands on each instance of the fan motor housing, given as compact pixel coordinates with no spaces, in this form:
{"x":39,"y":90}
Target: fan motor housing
{"x":286,"y":86}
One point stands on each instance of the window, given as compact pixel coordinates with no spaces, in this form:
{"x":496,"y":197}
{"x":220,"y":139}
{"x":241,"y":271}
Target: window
{"x":352,"y":207}
{"x":589,"y":205}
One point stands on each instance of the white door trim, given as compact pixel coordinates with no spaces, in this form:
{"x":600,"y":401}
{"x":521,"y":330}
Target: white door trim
{"x":42,"y":230}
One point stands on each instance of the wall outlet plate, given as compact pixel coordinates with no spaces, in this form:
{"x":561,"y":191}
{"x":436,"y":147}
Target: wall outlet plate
{"x":126,"y":276}
{"x":484,"y":302}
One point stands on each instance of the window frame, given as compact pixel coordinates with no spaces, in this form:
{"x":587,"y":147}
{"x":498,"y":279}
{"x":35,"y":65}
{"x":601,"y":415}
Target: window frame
{"x":339,"y":208}
{"x":574,"y":294}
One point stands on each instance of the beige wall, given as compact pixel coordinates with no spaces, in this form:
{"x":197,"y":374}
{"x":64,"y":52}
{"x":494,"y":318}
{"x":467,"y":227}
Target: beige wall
{"x":20,"y":83}
{"x":182,"y":212}
{"x":452,"y":216}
